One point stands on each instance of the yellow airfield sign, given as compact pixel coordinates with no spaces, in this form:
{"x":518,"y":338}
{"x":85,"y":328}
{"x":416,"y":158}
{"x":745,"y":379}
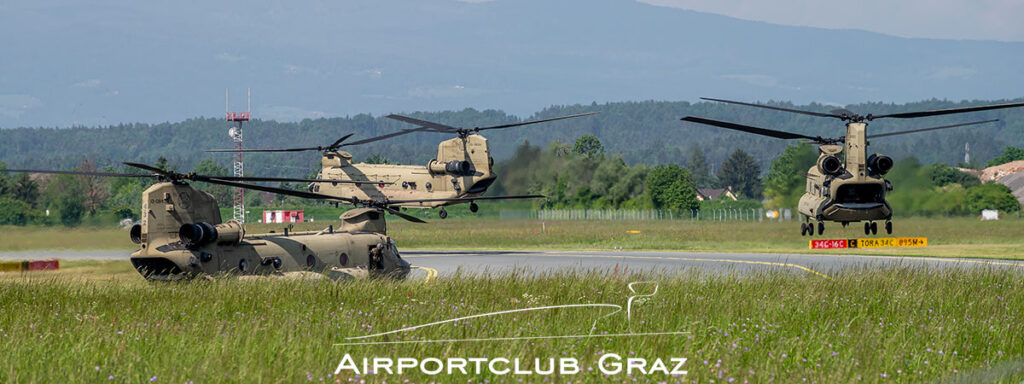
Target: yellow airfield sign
{"x":881,"y":242}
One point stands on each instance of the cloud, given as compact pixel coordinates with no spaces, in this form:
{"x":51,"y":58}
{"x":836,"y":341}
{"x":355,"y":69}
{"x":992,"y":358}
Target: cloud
{"x":952,"y":73}
{"x":298,"y":69}
{"x":444,"y":92}
{"x":16,"y":105}
{"x":224,"y":56}
{"x":754,"y":79}
{"x":373,"y":73}
{"x":90,"y":83}
{"x":288,"y":113}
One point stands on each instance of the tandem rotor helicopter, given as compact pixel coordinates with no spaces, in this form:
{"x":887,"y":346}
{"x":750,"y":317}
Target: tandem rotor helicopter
{"x":852,"y":190}
{"x":182,"y":236}
{"x":461,"y":171}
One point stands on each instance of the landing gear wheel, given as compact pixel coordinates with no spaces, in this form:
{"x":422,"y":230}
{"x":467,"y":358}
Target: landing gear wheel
{"x":821,"y":227}
{"x":443,"y":214}
{"x":473,"y":207}
{"x":874,"y":228}
{"x":888,"y":227}
{"x":867,"y":228}
{"x":810,"y":229}
{"x":803,"y":229}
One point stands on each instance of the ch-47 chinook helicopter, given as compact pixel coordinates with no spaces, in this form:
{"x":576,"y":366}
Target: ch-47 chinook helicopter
{"x":462,"y":168}
{"x":182,"y":236}
{"x":852,"y":190}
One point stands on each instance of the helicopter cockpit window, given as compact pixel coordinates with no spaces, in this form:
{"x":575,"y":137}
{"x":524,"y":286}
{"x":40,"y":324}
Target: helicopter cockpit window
{"x":859,"y":193}
{"x":394,"y":248}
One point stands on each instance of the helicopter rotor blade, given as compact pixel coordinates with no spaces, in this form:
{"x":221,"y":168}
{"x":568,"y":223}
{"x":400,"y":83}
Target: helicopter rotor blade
{"x":337,"y":143}
{"x":930,"y":129}
{"x":536,"y":121}
{"x":387,"y":136}
{"x":819,"y":114}
{"x":910,"y":115}
{"x":298,"y":180}
{"x":266,"y":150}
{"x":465,"y":199}
{"x":423,"y":123}
{"x":405,"y":216}
{"x":751,"y":129}
{"x":103,"y":174}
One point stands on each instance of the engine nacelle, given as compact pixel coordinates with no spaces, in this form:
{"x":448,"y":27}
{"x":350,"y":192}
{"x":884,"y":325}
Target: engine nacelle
{"x":880,"y":164}
{"x":830,"y":165}
{"x":454,"y":167}
{"x":136,"y":233}
{"x":202,"y":233}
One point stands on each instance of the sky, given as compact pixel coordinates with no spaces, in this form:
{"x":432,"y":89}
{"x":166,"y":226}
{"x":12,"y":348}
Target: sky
{"x":936,"y":19}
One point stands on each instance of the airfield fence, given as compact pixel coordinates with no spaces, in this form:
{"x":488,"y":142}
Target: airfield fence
{"x":749,"y":214}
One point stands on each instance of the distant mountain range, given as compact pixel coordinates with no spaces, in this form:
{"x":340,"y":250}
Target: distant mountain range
{"x":104,"y":62}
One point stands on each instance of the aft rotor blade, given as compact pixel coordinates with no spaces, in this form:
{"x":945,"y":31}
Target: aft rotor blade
{"x":103,"y":174}
{"x":280,"y":191}
{"x":930,"y":129}
{"x":819,"y":114}
{"x":465,"y":199}
{"x":910,"y":115}
{"x":536,"y":121}
{"x":387,"y":136}
{"x":750,"y":129}
{"x":423,"y":123}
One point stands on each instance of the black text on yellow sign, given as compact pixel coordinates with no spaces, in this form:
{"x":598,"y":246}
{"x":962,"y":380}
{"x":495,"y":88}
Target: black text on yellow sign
{"x":883,"y":242}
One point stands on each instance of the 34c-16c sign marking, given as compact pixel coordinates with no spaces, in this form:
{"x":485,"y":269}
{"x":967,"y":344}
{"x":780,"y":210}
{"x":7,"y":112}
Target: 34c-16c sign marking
{"x":883,"y":242}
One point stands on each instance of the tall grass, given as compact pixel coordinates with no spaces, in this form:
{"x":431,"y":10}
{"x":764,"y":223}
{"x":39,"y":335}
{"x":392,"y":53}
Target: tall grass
{"x":904,"y":324}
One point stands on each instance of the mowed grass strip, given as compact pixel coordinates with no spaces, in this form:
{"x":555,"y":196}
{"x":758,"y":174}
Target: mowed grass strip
{"x":902,"y":324}
{"x":949,"y":237}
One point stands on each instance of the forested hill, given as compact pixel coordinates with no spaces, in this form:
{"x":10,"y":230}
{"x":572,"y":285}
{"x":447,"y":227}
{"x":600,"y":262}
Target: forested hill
{"x":642,"y":132}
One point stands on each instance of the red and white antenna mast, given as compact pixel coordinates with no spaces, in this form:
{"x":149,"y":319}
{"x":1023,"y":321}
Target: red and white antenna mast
{"x":236,"y":136}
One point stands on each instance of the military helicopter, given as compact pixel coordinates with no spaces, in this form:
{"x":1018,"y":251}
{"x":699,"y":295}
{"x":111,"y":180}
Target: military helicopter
{"x":182,"y":235}
{"x":852,"y":190}
{"x":462,"y":168}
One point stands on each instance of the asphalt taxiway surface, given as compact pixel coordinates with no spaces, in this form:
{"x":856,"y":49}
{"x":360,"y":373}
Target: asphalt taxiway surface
{"x":441,"y":263}
{"x":536,"y":262}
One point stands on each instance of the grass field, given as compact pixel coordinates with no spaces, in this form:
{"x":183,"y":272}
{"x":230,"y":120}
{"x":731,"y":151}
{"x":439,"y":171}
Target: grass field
{"x":951,"y":237}
{"x":98,"y":321}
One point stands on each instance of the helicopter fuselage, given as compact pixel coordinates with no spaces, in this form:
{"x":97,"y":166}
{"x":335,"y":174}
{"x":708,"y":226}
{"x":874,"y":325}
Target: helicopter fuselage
{"x":851,"y":192}
{"x":182,"y":236}
{"x":462,"y":168}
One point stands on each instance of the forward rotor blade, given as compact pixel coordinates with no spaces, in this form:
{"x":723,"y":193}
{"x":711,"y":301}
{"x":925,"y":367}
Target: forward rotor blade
{"x":274,"y":150}
{"x":775,"y":108}
{"x":404,"y":215}
{"x":148,"y":168}
{"x":910,"y":115}
{"x":423,"y":123}
{"x":930,"y":129}
{"x":337,"y":143}
{"x":104,"y":174}
{"x":280,"y":191}
{"x":297,"y":180}
{"x":750,"y":129}
{"x":536,"y":121}
{"x":465,"y":199}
